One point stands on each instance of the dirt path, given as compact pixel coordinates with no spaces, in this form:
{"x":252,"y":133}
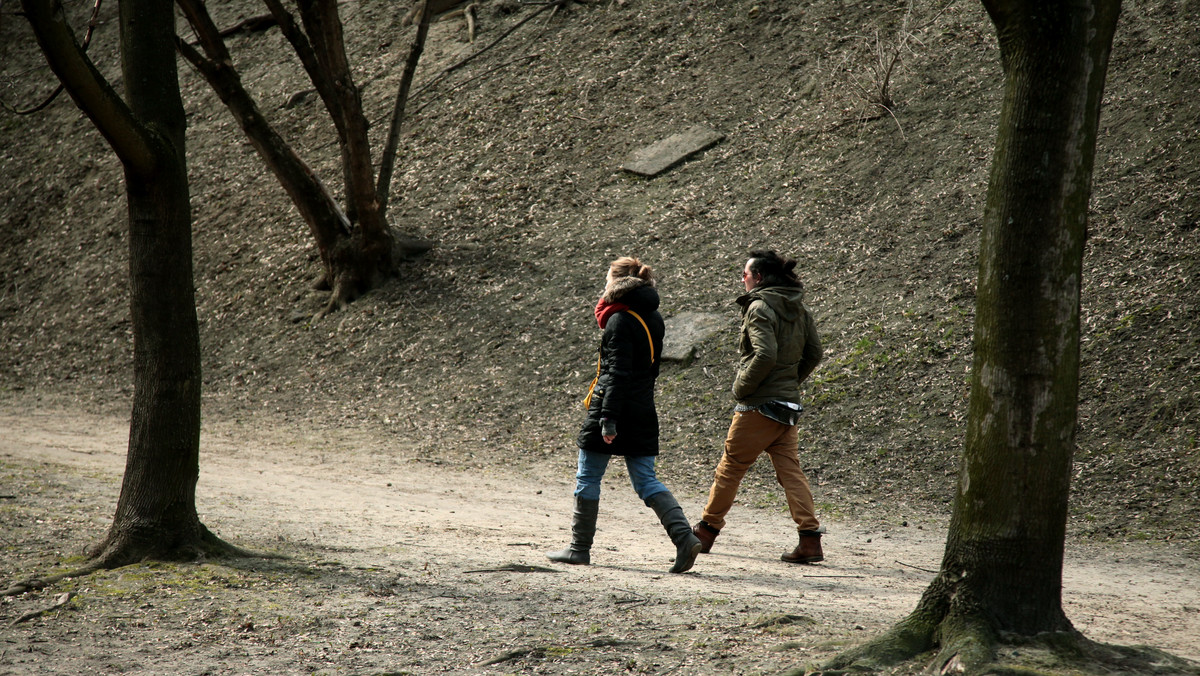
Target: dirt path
{"x":403,"y":565}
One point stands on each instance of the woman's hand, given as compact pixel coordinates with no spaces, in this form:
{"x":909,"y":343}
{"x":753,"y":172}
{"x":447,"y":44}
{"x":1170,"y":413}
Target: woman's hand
{"x":608,"y":430}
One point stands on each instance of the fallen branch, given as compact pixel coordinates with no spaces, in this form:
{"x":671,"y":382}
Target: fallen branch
{"x":926,"y":570}
{"x":506,"y":657}
{"x":537,"y":651}
{"x":455,"y":66}
{"x":59,"y":601}
{"x":630,"y":602}
{"x":514,"y":568}
{"x":251,"y":25}
{"x":782,"y":619}
{"x":608,"y":642}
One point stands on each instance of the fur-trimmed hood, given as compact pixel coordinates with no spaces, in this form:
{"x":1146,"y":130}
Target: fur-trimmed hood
{"x":623,"y":285}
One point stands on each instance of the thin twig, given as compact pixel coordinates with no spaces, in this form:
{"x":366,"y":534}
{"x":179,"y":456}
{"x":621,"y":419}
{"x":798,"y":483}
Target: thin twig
{"x":469,"y":80}
{"x":926,"y":570}
{"x":894,"y":118}
{"x":513,"y":568}
{"x":506,"y":64}
{"x":455,"y":66}
{"x":87,"y":38}
{"x":16,"y":292}
{"x":631,"y":603}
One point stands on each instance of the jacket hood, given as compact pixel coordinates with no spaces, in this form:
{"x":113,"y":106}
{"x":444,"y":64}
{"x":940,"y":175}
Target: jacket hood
{"x":641,"y":299}
{"x":617,"y":289}
{"x":785,"y":301}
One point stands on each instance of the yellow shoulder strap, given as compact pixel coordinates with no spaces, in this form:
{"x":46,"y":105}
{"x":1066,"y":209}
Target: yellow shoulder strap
{"x":587,"y":401}
{"x":648,"y":336}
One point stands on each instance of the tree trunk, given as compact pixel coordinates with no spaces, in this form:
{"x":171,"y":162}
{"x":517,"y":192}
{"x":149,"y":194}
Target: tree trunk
{"x":368,"y":257}
{"x":156,"y":512}
{"x":356,"y":245}
{"x":327,"y":224}
{"x":1002,"y":569}
{"x":1009,"y":523}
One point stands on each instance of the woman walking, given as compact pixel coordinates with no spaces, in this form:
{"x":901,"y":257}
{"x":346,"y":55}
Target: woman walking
{"x":621,"y":418}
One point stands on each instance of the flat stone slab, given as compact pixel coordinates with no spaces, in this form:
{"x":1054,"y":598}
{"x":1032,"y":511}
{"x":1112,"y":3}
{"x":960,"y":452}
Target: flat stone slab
{"x":685,"y":331}
{"x":658,"y":157}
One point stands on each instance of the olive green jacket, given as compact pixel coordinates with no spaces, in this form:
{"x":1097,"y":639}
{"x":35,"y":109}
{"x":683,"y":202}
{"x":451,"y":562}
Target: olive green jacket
{"x":779,"y":346}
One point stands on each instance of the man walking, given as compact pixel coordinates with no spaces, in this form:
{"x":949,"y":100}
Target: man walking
{"x":779,"y":348}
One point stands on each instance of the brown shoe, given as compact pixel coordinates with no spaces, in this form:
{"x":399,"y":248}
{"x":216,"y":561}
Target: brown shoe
{"x":808,"y":551}
{"x":707,"y":535}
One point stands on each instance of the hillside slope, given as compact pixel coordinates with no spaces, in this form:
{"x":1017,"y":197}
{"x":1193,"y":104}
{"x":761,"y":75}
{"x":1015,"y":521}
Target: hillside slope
{"x":479,"y":352}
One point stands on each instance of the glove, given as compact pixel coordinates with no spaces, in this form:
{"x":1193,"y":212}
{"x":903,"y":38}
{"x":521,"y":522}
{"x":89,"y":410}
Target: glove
{"x":608,"y":428}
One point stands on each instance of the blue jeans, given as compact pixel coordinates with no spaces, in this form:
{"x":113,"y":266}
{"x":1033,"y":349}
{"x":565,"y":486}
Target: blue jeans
{"x":593,"y":465}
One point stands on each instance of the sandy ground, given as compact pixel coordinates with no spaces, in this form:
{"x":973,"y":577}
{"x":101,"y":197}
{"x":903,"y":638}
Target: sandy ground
{"x":405,"y":566}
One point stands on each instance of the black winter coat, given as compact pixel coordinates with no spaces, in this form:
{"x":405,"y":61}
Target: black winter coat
{"x":625,"y":389}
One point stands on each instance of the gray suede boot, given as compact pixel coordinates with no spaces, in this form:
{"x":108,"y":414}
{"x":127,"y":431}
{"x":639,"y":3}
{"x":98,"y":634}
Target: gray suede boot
{"x":687,"y":545}
{"x":583,"y":530}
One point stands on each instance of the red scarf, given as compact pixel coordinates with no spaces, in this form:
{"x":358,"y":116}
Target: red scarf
{"x":605,"y":309}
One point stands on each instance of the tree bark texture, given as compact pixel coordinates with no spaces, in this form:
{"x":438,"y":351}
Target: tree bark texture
{"x":156,"y":512}
{"x":1007,"y":531}
{"x":1001,"y":574}
{"x":326,"y":221}
{"x":356,"y":244}
{"x":157,"y":507}
{"x":324,"y":27}
{"x":367,"y":257}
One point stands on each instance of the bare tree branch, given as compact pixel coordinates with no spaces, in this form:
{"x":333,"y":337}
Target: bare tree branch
{"x":90,"y":91}
{"x":388,"y":161}
{"x":87,"y":40}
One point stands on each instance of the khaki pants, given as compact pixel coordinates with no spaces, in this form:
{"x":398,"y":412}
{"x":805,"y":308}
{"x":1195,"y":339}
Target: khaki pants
{"x":750,"y":434}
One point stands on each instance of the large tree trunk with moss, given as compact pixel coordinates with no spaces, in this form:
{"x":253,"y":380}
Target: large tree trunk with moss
{"x":1002,"y":570}
{"x":156,"y":512}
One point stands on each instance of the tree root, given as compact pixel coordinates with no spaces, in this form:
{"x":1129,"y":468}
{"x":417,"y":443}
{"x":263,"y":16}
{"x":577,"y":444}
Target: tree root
{"x":122,"y":551}
{"x":115,"y":552}
{"x":967,"y":644}
{"x":341,"y":297}
{"x":353,"y":270}
{"x":59,"y":601}
{"x":912,"y":637}
{"x":970,"y":647}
